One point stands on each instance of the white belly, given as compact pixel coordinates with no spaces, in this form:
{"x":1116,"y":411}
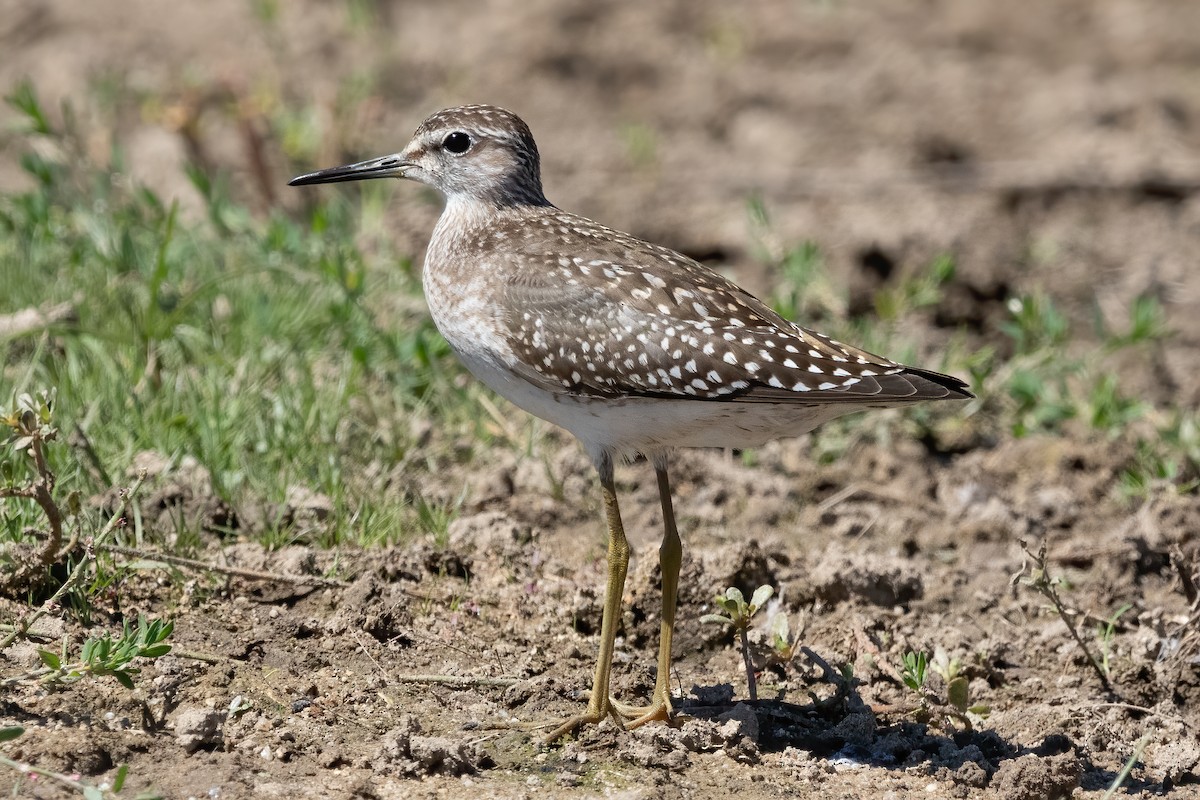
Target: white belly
{"x":653,"y":425}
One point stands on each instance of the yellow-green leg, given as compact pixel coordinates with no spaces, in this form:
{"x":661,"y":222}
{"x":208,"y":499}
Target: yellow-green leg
{"x":599,"y":705}
{"x":670,"y":555}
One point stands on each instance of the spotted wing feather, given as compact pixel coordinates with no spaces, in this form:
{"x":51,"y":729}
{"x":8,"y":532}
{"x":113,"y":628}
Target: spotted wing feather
{"x":628,"y":318}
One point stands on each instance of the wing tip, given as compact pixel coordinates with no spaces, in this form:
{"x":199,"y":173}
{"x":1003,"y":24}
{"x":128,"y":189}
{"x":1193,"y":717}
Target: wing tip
{"x":936,"y":386}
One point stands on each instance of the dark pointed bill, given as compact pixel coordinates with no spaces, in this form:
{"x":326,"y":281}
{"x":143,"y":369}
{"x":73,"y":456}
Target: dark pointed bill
{"x":385,"y":167}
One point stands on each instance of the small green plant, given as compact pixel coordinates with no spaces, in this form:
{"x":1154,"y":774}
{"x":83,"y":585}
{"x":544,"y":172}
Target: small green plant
{"x":921,"y":291}
{"x":1107,"y":409}
{"x":1171,"y":457}
{"x":800,"y":266}
{"x":1147,"y":323}
{"x":958,"y":687}
{"x":434,"y":517}
{"x":784,"y":645}
{"x":105,"y":655}
{"x":1045,"y":387}
{"x":955,"y":707}
{"x":913,"y":668}
{"x":805,"y":291}
{"x":1036,"y":324}
{"x":739,"y":613}
{"x":1042,"y":401}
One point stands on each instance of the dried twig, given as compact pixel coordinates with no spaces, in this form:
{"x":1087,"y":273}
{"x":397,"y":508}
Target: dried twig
{"x":76,"y":577}
{"x":41,"y":491}
{"x":828,"y":675}
{"x":206,"y":566}
{"x":41,"y":636}
{"x":456,"y":680}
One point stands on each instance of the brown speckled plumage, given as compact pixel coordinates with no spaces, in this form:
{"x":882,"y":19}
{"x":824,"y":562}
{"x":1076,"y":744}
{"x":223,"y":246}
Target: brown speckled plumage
{"x":632,"y":347}
{"x":620,"y":317}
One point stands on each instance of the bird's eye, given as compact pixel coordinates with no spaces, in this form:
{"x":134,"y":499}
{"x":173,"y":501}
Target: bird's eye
{"x":457,"y":142}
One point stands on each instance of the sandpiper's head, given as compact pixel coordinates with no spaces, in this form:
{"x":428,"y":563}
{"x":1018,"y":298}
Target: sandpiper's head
{"x":477,"y":151}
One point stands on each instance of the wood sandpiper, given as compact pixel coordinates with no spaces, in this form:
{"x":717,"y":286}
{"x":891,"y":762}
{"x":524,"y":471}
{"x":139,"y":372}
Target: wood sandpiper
{"x":632,"y":347}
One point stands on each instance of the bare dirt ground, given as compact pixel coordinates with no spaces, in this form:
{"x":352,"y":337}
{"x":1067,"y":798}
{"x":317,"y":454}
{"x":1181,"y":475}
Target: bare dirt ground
{"x":1050,"y":146}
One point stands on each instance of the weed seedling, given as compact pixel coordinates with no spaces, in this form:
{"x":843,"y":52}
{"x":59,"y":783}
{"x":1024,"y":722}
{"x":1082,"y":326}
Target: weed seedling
{"x":958,"y":688}
{"x":913,"y":668}
{"x":104,"y":655}
{"x":434,"y":517}
{"x":1036,"y":575}
{"x":921,"y":291}
{"x":784,"y":644}
{"x":956,"y":705}
{"x":738,"y":613}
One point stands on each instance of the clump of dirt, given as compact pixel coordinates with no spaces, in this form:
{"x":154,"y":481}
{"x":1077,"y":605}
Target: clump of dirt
{"x":1029,"y":777}
{"x":405,"y":752}
{"x":178,"y":495}
{"x":837,"y":577}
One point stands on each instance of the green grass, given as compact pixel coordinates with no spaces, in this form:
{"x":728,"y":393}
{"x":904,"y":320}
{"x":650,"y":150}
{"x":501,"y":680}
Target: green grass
{"x":270,"y":350}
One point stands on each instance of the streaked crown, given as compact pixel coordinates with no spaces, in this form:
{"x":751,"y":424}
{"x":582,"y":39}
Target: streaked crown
{"x":481,"y":151}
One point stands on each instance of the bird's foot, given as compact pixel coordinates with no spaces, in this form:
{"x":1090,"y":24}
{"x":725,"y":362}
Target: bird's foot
{"x":626,"y":716}
{"x":597,"y":712}
{"x":659,"y":710}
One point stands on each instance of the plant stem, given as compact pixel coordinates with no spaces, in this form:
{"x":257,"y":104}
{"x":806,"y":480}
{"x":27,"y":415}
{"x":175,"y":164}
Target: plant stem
{"x":751,"y":682}
{"x":29,"y":769}
{"x":41,"y":491}
{"x":1045,"y":586}
{"x":76,"y":577}
{"x":1138,"y":748}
